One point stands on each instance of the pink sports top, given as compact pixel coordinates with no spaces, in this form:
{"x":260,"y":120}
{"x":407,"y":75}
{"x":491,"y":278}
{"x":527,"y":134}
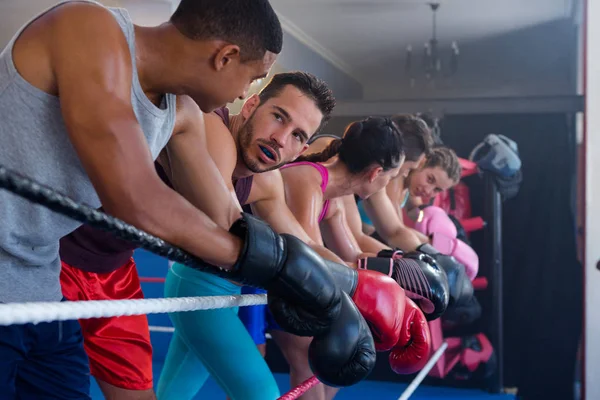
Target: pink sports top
{"x":324,"y":178}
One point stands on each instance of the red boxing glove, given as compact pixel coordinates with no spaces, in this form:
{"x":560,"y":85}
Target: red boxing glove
{"x":378,"y":298}
{"x":381,"y":302}
{"x":412,"y":351}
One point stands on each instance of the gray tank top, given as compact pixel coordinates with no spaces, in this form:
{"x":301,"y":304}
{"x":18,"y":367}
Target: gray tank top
{"x":34,"y":141}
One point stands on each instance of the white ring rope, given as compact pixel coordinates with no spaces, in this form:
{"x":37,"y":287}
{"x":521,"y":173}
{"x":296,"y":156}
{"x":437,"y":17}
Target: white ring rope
{"x":162,"y":329}
{"x":423,"y":373}
{"x":36,"y":312}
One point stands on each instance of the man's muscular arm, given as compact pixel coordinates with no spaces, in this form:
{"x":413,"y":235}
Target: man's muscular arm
{"x":367,"y":243}
{"x":91,"y":63}
{"x":388,"y":224}
{"x":304,"y":198}
{"x":203,"y":180}
{"x":270,"y":205}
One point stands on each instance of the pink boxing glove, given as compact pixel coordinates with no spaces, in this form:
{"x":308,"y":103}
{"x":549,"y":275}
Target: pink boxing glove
{"x":433,"y":219}
{"x":461,"y":251}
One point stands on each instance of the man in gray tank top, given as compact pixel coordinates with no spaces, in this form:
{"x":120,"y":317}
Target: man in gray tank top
{"x":87,"y":102}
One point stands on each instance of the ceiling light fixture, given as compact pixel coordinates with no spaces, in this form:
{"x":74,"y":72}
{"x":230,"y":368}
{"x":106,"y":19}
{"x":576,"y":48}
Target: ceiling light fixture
{"x":435,"y":65}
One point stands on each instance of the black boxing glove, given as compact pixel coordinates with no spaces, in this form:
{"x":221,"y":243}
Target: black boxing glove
{"x":346,"y":354}
{"x":461,"y":288}
{"x":306,"y":298}
{"x":460,"y":314}
{"x":419,"y":275}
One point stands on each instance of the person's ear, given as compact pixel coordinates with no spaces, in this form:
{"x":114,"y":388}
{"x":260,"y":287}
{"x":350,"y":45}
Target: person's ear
{"x":250,"y":105}
{"x":374,"y":173}
{"x":226,"y":56}
{"x":304,"y":148}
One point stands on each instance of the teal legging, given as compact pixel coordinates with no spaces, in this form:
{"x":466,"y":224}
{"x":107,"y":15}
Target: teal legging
{"x":363,"y":213}
{"x":211,"y":342}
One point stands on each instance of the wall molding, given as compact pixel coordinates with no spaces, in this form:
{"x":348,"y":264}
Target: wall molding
{"x":473,"y":105}
{"x":292,"y":29}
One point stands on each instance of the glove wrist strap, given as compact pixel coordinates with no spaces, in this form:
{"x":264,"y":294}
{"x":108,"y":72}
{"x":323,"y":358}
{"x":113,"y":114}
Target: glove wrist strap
{"x":262,"y":254}
{"x":345,"y":277}
{"x":379,"y":264}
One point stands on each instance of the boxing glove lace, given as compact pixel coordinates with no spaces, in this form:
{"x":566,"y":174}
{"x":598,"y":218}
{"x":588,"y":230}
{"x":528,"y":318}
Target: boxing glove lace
{"x":419,"y":275}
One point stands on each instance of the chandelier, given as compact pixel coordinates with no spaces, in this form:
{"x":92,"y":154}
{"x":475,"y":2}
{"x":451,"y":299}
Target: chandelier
{"x":435,"y":64}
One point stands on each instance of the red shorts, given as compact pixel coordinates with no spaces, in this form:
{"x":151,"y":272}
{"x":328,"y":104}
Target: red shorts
{"x":118,"y":348}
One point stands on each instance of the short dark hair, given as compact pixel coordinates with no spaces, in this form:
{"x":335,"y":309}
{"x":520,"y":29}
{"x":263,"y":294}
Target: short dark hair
{"x":416,"y":134}
{"x":251,"y":24}
{"x":313,"y":87}
{"x":374,"y":140}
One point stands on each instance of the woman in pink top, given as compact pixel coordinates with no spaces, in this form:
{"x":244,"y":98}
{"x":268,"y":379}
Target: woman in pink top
{"x":369,"y":155}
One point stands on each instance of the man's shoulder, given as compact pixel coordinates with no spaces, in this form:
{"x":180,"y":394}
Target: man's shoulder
{"x":268,"y":182}
{"x":218,"y":133}
{"x":189,"y":115}
{"x":81,"y":26}
{"x":82,"y":12}
{"x":216,"y":119}
{"x":223,"y":113}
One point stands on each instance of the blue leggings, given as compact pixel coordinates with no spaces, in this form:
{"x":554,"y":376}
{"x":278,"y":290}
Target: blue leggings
{"x":211,"y":342}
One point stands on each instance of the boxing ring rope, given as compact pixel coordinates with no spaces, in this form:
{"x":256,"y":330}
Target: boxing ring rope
{"x":300,"y":389}
{"x":36,"y":312}
{"x":410,"y":389}
{"x":162,"y":329}
{"x":44,"y":195}
{"x":151,"y":279}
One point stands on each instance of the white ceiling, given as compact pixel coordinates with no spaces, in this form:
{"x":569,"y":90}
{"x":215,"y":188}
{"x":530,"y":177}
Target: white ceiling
{"x":360,"y":34}
{"x":365,"y":38}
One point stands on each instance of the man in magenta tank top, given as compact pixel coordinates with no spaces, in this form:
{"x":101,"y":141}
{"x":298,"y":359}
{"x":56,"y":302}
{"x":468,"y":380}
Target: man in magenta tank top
{"x":98,"y":266}
{"x":271,"y":130}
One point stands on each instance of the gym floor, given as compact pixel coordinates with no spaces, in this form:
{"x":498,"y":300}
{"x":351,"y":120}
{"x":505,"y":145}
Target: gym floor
{"x":150,"y":265}
{"x":363,"y":390}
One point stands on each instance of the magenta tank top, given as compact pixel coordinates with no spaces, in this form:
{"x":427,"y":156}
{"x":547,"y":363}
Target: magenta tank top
{"x":324,"y":179}
{"x":97,"y":251}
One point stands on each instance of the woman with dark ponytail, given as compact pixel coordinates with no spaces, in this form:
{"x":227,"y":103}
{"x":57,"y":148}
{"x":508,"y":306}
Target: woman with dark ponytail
{"x":361,"y":163}
{"x":427,"y":170}
{"x":367,"y":157}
